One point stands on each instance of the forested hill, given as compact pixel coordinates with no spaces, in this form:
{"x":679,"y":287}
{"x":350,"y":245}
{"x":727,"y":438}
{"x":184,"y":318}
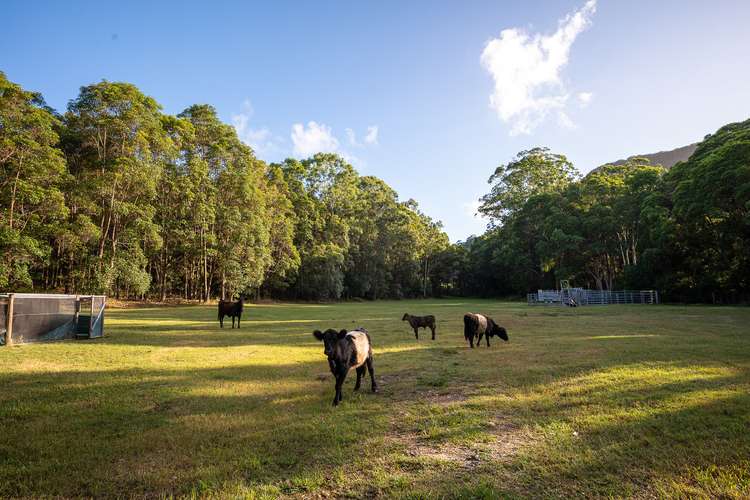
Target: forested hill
{"x":666,"y":159}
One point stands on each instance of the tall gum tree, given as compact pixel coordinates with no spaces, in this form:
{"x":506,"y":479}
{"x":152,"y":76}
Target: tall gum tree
{"x":32,"y":172}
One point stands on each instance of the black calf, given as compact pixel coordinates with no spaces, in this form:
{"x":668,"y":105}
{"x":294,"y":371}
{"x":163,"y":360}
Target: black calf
{"x":476,"y":325}
{"x":232,"y":309}
{"x":347,"y":350}
{"x":417,"y":322}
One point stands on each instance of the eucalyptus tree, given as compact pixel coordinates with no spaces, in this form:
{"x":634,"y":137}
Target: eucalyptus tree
{"x":533,"y":172}
{"x":32,"y":173}
{"x":115,"y":145}
{"x":323,"y":191}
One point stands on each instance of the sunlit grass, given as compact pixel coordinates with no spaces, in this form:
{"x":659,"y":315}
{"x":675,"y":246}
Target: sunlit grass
{"x":610,"y":401}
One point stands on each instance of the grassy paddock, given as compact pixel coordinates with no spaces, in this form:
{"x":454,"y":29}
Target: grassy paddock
{"x":616,"y":400}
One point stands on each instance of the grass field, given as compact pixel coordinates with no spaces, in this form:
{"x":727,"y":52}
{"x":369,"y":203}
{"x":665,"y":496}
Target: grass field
{"x":599,"y":401}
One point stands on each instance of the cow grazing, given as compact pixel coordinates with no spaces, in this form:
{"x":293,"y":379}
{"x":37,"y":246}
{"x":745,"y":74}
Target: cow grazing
{"x":476,"y":325}
{"x":347,"y":350}
{"x":417,"y":322}
{"x":232,"y":309}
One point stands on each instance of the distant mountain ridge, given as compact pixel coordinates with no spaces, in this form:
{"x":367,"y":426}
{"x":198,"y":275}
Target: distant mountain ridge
{"x":666,"y":159}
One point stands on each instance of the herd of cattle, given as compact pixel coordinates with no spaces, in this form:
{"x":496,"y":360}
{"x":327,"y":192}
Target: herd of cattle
{"x":353,"y":349}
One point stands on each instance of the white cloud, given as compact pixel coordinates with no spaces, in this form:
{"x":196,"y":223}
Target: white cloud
{"x":352,"y":137}
{"x":261,"y":139}
{"x":372,"y":135}
{"x":315,"y":138}
{"x":564,"y":121}
{"x":584,"y":98}
{"x":526,"y":70}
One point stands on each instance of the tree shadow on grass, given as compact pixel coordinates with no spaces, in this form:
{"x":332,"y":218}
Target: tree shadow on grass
{"x":177,"y":430}
{"x":648,"y":439}
{"x":169,"y":431}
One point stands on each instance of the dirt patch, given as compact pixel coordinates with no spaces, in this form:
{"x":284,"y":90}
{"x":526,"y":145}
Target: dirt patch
{"x":459,"y":455}
{"x":444,"y":398}
{"x":503,"y":441}
{"x":507,"y":437}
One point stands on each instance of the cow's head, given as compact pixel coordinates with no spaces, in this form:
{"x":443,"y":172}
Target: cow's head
{"x":329,"y":338}
{"x":406,"y":317}
{"x":499,"y":331}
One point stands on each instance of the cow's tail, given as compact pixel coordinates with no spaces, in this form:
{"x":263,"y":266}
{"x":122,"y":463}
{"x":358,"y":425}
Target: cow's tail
{"x":469,"y":326}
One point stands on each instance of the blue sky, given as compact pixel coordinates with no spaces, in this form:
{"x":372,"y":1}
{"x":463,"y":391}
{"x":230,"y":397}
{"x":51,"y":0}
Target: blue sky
{"x":409,"y":82}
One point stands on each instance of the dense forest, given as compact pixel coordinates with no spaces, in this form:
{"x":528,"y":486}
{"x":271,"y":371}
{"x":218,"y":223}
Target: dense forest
{"x":114,"y":196}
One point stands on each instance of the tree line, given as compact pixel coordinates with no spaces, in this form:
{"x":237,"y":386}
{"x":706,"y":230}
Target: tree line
{"x":114,"y":196}
{"x":684,"y":231}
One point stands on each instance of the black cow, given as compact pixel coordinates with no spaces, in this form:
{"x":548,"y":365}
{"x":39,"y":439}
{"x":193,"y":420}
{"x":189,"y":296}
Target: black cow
{"x":417,"y":322}
{"x":476,"y":325}
{"x":232,"y":309}
{"x":347,"y":350}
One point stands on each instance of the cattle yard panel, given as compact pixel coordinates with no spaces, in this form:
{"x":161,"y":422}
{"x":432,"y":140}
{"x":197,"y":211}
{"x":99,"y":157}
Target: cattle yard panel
{"x":36,"y":317}
{"x":585,"y":297}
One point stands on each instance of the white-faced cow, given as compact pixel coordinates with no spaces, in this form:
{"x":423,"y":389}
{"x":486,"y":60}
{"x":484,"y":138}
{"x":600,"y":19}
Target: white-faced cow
{"x":476,"y":325}
{"x":346,"y":350}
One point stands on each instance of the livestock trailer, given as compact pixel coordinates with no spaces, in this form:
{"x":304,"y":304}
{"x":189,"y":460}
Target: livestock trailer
{"x":37,"y":317}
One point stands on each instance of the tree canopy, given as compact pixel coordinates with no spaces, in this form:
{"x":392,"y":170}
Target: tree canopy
{"x":115,"y":196}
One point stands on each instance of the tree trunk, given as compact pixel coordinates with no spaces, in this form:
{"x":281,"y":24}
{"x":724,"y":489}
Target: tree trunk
{"x":13,"y":196}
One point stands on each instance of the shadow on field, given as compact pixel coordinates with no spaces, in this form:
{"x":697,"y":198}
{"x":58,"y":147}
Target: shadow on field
{"x":614,"y":416}
{"x":175,"y":431}
{"x":656,"y":437}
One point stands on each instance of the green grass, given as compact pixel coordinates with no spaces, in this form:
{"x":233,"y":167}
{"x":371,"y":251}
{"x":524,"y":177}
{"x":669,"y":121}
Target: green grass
{"x":597,"y":401}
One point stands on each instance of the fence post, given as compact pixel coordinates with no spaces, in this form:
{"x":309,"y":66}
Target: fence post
{"x":91,"y":318}
{"x":9,"y":321}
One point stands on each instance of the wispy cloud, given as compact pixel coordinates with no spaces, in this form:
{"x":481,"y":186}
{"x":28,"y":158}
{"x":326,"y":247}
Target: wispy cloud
{"x":584,"y":98}
{"x":313,"y":138}
{"x":526,"y":70}
{"x":261,"y":139}
{"x":370,"y":139}
{"x":372,"y":135}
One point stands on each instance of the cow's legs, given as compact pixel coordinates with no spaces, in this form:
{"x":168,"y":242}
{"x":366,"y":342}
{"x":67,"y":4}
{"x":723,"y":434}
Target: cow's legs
{"x":221,"y":321}
{"x":487,"y":337}
{"x":479,"y":340}
{"x":239,"y":317}
{"x":371,"y":369}
{"x":433,"y":332}
{"x":416,"y":332}
{"x":360,"y":374}
{"x":339,"y":383}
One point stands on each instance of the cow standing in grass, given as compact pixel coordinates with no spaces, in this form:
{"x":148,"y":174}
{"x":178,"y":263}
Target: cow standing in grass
{"x":417,"y":322}
{"x":232,"y":309}
{"x":347,"y":350}
{"x":476,"y":325}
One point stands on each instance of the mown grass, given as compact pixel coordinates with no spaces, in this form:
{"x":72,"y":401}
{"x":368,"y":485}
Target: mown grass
{"x":599,"y":401}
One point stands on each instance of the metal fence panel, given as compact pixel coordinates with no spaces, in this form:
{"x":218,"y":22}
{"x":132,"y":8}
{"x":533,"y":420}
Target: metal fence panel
{"x":41,"y":317}
{"x":582,"y":297}
{"x":3,"y":319}
{"x":97,"y":318}
{"x":37,"y":319}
